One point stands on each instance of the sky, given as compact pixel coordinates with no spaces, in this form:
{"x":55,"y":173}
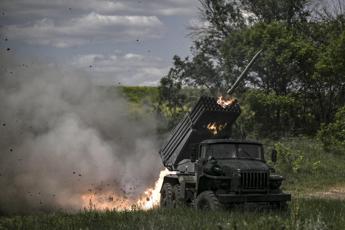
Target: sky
{"x":127,"y":42}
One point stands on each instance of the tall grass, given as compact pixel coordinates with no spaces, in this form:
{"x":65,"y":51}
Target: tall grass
{"x":302,"y":214}
{"x":306,"y":165}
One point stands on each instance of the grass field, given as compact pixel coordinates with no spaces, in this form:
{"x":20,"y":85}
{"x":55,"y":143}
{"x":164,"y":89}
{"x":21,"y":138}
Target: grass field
{"x":301,"y":214}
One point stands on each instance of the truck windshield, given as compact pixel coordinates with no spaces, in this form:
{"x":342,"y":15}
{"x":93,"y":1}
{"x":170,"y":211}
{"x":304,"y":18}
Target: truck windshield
{"x":228,"y":150}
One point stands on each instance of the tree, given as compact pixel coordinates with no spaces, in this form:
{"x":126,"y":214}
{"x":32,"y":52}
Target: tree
{"x":171,"y":100}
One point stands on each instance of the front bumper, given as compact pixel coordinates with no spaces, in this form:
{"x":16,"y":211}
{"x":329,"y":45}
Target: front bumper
{"x":244,"y":198}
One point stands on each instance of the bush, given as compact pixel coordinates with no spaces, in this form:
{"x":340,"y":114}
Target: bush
{"x":333,"y":135}
{"x":289,"y":161}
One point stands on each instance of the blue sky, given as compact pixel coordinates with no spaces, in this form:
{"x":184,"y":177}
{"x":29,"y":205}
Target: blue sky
{"x":115,"y":41}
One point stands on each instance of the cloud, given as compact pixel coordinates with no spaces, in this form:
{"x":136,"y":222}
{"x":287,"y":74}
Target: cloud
{"x":45,"y":8}
{"x":126,"y":69}
{"x":95,"y":28}
{"x":59,"y":8}
{"x":87,"y":28}
{"x":166,"y":7}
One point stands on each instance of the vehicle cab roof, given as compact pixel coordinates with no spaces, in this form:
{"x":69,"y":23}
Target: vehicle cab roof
{"x":232,"y":141}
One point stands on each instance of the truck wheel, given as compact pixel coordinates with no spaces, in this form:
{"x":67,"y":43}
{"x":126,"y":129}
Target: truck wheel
{"x":177,"y":196}
{"x":208,"y":201}
{"x":166,"y":196}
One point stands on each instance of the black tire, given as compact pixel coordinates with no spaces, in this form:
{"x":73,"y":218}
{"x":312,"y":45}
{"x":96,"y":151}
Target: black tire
{"x":166,"y":196}
{"x":207,"y":200}
{"x":177,"y":196}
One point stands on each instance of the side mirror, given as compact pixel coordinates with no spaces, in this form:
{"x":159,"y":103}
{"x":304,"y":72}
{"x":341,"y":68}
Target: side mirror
{"x":274,"y":156}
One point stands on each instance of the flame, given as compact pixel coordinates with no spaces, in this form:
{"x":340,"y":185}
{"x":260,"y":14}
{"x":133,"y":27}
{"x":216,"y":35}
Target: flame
{"x":222,"y":101}
{"x":215,"y":128}
{"x":109,"y":200}
{"x":152,"y":196}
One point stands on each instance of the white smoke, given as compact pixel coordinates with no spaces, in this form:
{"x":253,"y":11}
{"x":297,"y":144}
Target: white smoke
{"x":62,"y":136}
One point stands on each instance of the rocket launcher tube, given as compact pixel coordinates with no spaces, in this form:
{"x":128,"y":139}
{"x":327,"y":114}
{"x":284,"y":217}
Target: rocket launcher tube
{"x":243,"y":74}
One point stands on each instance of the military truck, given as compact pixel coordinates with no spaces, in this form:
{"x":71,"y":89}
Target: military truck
{"x":210,"y":170}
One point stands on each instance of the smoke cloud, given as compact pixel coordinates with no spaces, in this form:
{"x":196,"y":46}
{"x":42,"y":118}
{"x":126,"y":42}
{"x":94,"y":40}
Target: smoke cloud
{"x":62,"y":137}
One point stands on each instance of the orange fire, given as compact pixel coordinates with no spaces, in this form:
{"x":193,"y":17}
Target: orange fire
{"x":108,"y":200}
{"x":152,"y":196}
{"x":215,"y":128}
{"x":222,"y":101}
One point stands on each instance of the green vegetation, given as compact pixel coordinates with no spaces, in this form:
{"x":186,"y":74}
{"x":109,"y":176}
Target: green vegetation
{"x":293,"y":88}
{"x":307,"y":167}
{"x":302,"y":214}
{"x":140,"y":94}
{"x":333,"y":134}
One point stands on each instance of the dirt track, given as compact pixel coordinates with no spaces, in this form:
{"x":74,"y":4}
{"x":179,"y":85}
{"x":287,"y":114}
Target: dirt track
{"x":336,"y":192}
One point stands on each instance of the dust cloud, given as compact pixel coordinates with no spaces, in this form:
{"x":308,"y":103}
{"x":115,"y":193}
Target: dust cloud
{"x":61,"y":137}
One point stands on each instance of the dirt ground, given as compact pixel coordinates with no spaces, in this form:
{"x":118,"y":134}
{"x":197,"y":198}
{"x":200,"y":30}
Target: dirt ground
{"x":336,"y":192}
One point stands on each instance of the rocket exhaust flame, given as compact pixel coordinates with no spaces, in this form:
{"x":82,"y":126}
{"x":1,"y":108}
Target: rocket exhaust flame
{"x":222,"y":101}
{"x":109,"y":200}
{"x":215,"y":128}
{"x":151,"y":197}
